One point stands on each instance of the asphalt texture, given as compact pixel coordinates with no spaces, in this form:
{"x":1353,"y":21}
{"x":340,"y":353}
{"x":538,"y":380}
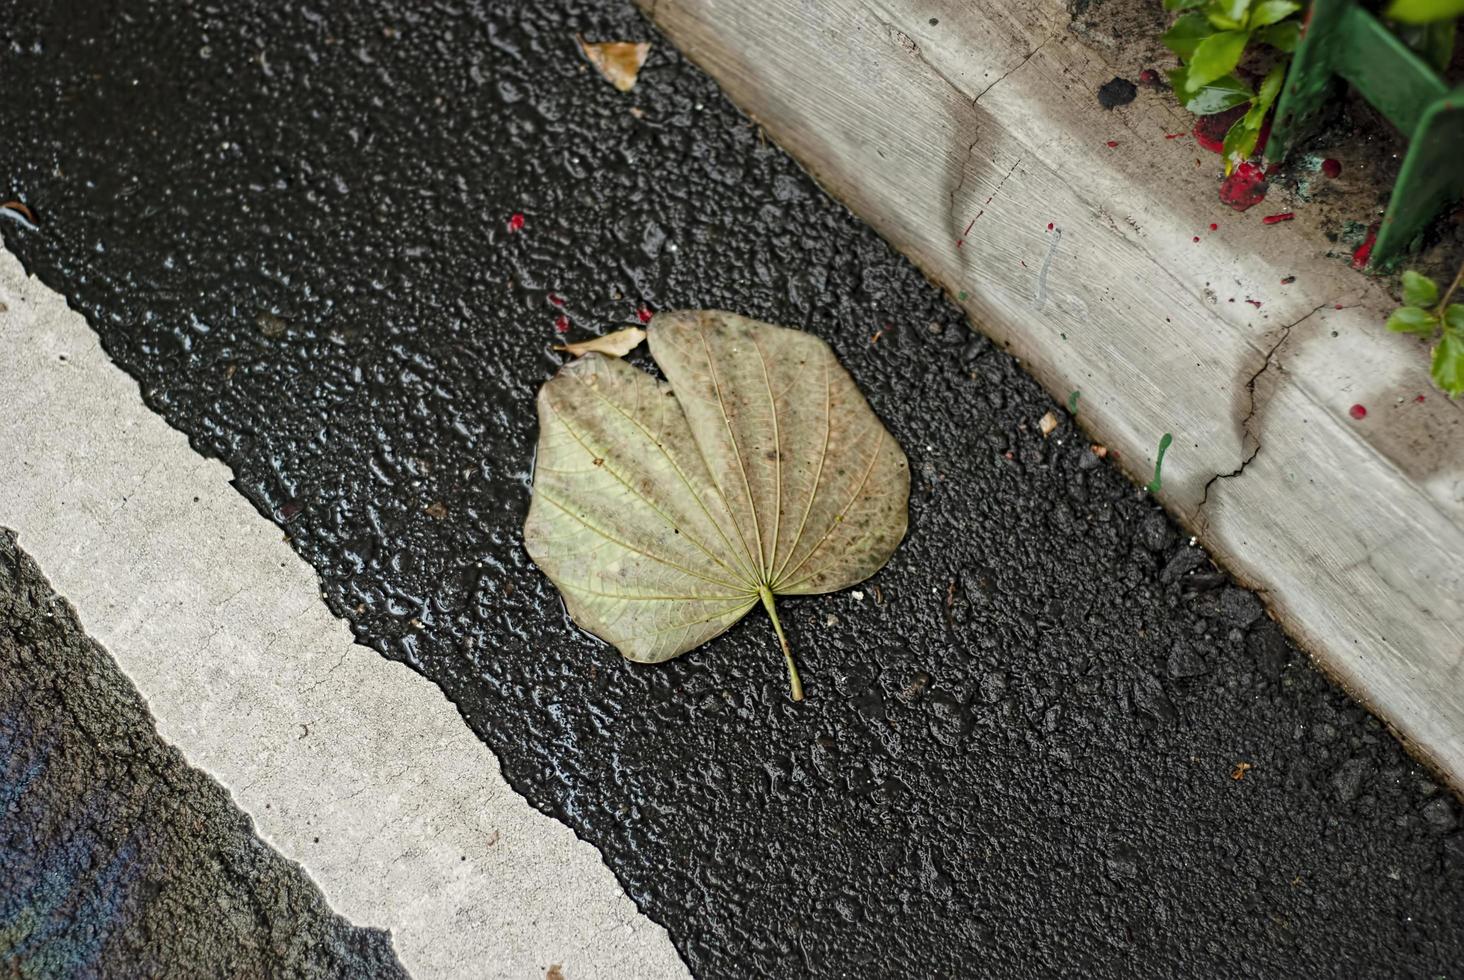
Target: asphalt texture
{"x":117,"y":858}
{"x":1047,"y":738}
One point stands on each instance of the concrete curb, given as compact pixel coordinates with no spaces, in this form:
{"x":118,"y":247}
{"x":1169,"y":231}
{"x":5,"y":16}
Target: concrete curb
{"x":969,"y":136}
{"x":352,"y":765}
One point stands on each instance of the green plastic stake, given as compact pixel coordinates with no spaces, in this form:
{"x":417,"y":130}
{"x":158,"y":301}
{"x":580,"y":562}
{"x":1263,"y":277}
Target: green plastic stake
{"x":1341,"y":39}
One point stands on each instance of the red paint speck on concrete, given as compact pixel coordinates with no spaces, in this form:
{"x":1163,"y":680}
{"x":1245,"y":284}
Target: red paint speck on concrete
{"x":1049,"y":226}
{"x":1245,"y":187}
{"x":1332,"y":168}
{"x":1254,"y":302}
{"x":1112,"y":144}
{"x":1214,"y":227}
{"x":1357,"y":412}
{"x":643,"y":314}
{"x":556,"y":300}
{"x":1364,"y":251}
{"x":1419,"y":399}
{"x":1276,"y":219}
{"x":561,"y":323}
{"x":1197,"y":238}
{"x":515,"y":222}
{"x":1210,"y":130}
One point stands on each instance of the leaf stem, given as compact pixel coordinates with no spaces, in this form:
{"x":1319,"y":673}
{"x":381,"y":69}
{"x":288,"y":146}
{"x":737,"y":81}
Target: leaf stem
{"x":793,"y":681}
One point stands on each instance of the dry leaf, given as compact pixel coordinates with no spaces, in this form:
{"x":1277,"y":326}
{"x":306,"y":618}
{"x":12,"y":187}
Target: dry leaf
{"x":1047,"y":424}
{"x":616,"y":344}
{"x":664,"y":511}
{"x":1100,"y":451}
{"x":619,"y":61}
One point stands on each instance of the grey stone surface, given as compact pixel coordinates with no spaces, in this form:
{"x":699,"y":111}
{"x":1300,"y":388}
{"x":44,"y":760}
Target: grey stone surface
{"x":116,"y":857}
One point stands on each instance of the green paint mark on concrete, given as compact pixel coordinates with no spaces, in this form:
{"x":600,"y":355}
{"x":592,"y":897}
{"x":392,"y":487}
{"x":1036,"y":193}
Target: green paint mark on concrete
{"x":1154,"y":484}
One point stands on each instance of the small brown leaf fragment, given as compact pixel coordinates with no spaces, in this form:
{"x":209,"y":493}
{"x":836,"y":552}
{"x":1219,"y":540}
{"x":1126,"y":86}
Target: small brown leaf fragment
{"x":619,"y":61}
{"x":555,"y":972}
{"x":437,"y":509}
{"x":1099,"y":451}
{"x":1047,"y":423}
{"x":616,"y":344}
{"x":1241,"y":768}
{"x":19,"y":209}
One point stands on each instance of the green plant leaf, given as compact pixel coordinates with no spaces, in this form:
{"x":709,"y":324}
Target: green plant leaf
{"x":1424,"y":11}
{"x":1227,"y":15}
{"x":1186,"y":34}
{"x":1269,"y":12}
{"x":1438,"y":45}
{"x":1182,"y":4}
{"x":1266,"y":95}
{"x":664,"y":511}
{"x":1240,"y":141}
{"x":1283,"y":36}
{"x":1448,"y":362}
{"x":1419,"y":290}
{"x":1213,"y":97}
{"x":1215,"y":57}
{"x":1411,"y":319}
{"x":1454,"y":317}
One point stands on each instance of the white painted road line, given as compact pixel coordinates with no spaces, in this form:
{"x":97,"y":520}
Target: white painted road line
{"x":350,"y":764}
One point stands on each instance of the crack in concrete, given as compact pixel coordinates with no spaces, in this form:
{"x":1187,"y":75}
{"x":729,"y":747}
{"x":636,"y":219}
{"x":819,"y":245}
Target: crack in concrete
{"x":906,"y":42}
{"x":1252,"y":409}
{"x":326,"y":676}
{"x":970,"y":151}
{"x":1028,"y":57}
{"x":991,"y":197}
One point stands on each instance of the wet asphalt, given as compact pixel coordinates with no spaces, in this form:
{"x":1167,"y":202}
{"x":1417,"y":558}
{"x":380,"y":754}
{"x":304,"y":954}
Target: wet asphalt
{"x":117,"y":859}
{"x":1049,"y":737}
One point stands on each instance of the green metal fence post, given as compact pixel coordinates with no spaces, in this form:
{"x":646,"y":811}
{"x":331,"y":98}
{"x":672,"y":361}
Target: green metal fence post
{"x":1344,"y":40}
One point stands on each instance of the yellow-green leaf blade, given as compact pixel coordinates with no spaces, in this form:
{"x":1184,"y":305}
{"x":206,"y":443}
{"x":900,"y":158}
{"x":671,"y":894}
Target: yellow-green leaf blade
{"x":623,"y":517}
{"x":816,"y":487}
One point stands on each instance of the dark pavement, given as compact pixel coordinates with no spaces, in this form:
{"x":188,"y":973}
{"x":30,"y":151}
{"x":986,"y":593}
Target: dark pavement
{"x":1049,"y":738}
